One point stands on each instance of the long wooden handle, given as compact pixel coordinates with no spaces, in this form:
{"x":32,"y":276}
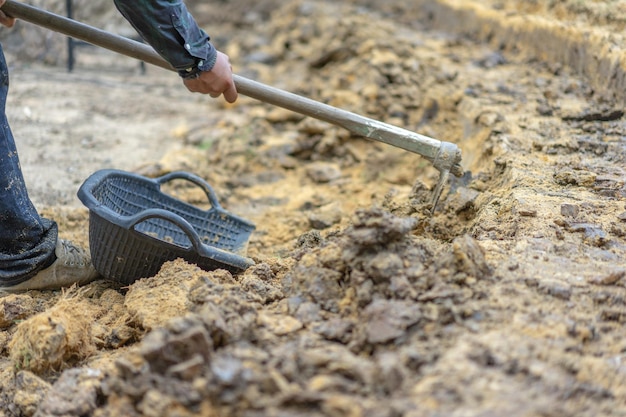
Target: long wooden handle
{"x":445,"y":156}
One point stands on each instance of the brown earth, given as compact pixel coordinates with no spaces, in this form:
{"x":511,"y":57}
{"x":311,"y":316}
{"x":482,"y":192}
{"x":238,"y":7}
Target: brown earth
{"x":509,"y":300}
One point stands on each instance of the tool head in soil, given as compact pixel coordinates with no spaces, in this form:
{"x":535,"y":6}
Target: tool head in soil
{"x":448,"y":160}
{"x":134,"y":227}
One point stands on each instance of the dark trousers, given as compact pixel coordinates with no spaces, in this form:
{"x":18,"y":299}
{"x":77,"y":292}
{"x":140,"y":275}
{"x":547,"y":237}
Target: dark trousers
{"x":27,"y":241}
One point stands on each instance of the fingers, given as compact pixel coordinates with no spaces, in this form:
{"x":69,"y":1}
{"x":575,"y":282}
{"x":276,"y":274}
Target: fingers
{"x":231,"y":94}
{"x":230,"y":91}
{"x":217,"y":82}
{"x":214,"y":88}
{"x":223,"y":71}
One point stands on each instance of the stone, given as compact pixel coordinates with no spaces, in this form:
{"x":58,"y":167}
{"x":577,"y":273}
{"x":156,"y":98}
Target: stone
{"x":569,"y":210}
{"x":322,"y":172}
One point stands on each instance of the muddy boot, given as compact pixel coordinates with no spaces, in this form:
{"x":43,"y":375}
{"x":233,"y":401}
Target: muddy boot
{"x":72,"y":266}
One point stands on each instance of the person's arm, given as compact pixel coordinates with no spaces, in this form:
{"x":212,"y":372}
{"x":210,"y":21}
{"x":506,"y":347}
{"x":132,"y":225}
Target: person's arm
{"x":171,"y":30}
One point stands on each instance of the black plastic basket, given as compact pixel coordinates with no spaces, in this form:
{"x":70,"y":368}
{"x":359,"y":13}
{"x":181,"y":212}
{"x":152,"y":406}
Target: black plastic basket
{"x":134,"y":228}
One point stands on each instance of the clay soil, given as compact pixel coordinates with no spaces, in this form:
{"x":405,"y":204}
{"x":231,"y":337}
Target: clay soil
{"x":509,"y":300}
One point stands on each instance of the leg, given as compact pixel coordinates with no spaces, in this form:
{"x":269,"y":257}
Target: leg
{"x":27,"y":241}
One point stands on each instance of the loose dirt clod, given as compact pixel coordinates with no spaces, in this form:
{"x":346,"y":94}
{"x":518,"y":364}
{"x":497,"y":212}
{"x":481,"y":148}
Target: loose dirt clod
{"x":153,"y":302}
{"x":30,"y":392}
{"x":15,"y":307}
{"x":75,"y":393}
{"x":56,"y":338}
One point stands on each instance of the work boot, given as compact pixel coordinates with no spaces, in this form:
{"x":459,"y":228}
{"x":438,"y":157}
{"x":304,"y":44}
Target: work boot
{"x":72,"y":266}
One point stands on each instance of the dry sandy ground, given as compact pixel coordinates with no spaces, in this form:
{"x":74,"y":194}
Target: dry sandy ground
{"x":509,"y":300}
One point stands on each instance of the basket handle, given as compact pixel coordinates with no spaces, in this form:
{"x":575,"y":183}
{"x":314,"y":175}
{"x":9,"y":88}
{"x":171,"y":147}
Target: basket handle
{"x":180,"y":222}
{"x":208,"y":190}
{"x":216,"y":254}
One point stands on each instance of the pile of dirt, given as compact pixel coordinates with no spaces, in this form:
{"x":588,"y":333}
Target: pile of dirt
{"x":507,"y":300}
{"x":313,"y":335}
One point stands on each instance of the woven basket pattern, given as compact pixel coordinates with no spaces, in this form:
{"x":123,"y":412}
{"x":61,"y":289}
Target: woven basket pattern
{"x":125,"y":255}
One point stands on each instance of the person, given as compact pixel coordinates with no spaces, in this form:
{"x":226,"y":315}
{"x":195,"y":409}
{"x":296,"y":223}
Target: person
{"x":32,"y":256}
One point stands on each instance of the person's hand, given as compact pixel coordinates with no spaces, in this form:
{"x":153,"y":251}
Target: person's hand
{"x":216,"y":82}
{"x":6,"y":20}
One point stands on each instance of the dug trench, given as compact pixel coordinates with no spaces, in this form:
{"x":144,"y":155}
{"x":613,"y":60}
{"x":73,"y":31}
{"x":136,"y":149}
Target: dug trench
{"x":509,"y":299}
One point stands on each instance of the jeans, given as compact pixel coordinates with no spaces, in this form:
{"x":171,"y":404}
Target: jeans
{"x":27,"y":241}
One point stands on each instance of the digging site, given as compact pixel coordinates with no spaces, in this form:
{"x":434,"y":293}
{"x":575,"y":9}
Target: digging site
{"x":507,"y":300}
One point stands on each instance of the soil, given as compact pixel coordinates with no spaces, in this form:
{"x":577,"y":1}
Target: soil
{"x":508,"y":300}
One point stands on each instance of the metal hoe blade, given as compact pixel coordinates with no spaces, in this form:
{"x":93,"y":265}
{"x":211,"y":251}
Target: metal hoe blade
{"x":445,"y":156}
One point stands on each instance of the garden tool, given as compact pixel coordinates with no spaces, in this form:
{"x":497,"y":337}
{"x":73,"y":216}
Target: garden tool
{"x":445,"y":156}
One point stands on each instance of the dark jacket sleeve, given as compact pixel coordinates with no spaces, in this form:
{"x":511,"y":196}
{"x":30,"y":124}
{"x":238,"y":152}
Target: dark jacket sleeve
{"x":171,"y":30}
